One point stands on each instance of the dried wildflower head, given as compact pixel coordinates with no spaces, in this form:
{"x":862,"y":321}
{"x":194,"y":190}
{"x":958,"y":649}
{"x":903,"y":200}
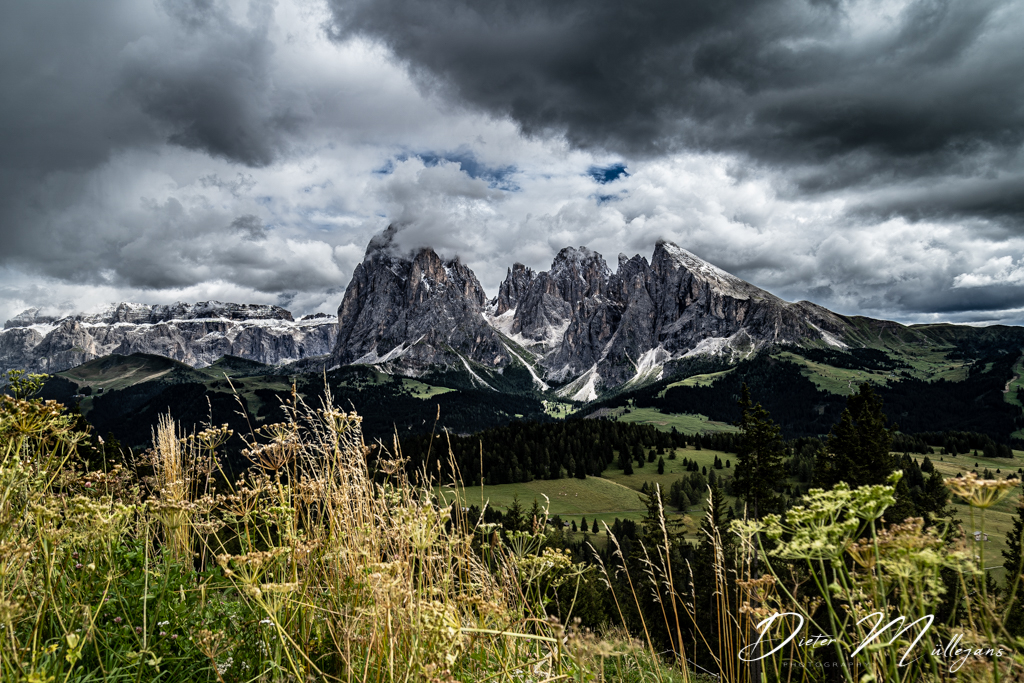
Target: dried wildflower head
{"x":981,"y":493}
{"x":863,"y":552}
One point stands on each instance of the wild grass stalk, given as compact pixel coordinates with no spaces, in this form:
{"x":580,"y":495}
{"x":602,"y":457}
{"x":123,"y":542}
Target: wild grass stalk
{"x":324,"y":562}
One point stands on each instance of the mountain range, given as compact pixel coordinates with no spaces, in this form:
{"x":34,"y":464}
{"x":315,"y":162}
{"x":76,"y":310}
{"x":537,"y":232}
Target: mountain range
{"x":578,"y":330}
{"x":195,"y":334}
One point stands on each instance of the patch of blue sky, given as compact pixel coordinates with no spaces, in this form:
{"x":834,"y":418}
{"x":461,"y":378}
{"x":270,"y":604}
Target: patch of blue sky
{"x":607,"y":174}
{"x":497,"y":177}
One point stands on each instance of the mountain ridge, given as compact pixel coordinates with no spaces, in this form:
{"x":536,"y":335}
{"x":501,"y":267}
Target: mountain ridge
{"x":580,"y":324}
{"x":196,"y":334}
{"x":578,"y":330}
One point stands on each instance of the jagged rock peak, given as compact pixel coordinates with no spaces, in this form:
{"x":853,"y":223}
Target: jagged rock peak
{"x":668,"y":253}
{"x":543,"y":313}
{"x":382,"y":242}
{"x":514,"y":288}
{"x":580,"y":264}
{"x":414,"y":311}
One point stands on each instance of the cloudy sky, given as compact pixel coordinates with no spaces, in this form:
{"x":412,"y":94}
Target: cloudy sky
{"x":867,"y":155}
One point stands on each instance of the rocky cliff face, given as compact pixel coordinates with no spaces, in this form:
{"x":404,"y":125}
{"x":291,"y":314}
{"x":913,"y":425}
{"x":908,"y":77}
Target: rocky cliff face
{"x":577,"y":323}
{"x":513,"y":290}
{"x":197,"y":334}
{"x":601,"y":329}
{"x":410,"y":312}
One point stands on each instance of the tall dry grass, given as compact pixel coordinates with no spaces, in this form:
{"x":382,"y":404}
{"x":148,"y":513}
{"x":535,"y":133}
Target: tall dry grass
{"x":312,"y":567}
{"x":326,"y":563}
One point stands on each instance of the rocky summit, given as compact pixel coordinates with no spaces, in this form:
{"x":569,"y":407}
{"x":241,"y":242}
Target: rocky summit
{"x":415,"y":312}
{"x":577,"y":324}
{"x":197,"y":334}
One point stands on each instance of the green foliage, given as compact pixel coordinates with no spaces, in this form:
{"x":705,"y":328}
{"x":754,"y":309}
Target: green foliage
{"x":21,"y":384}
{"x":1013,"y":562}
{"x":759,"y":460}
{"x":857,"y":448}
{"x":308,"y":569}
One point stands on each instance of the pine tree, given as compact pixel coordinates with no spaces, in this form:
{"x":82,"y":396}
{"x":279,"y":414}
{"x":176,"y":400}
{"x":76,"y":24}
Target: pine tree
{"x":857,"y":448}
{"x":759,"y":458}
{"x":627,"y":466}
{"x":514,"y":519}
{"x":661,"y":465}
{"x":1013,"y":562}
{"x":625,"y":458}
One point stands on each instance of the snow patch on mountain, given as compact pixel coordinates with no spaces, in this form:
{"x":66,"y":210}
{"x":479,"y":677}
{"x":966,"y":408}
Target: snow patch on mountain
{"x":196,"y":334}
{"x":650,"y":366}
{"x":829,"y":338}
{"x":584,"y":387}
{"x":541,"y":384}
{"x":475,"y":376}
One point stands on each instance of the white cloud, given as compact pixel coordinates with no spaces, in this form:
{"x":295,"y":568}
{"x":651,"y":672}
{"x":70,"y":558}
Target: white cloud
{"x":153,"y":222}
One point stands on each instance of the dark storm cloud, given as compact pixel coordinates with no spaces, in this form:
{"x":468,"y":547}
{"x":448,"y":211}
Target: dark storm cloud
{"x":993,"y":198}
{"x":94,"y":93}
{"x":210,"y":83}
{"x":832,"y":91}
{"x":250,"y":226}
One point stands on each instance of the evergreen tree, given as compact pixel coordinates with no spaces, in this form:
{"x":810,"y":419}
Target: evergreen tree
{"x":581,"y":470}
{"x":1013,"y":562}
{"x":697,"y":442}
{"x":661,"y":465}
{"x":759,"y":458}
{"x":625,"y":459}
{"x":627,"y":466}
{"x":857,"y":448}
{"x":514,"y":518}
{"x":904,"y":506}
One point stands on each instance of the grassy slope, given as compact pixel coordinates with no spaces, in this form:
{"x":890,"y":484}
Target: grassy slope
{"x":119,"y":372}
{"x":559,"y":410}
{"x":998,"y":518}
{"x":704,"y":380}
{"x":611,"y":495}
{"x":1011,"y":390}
{"x":841,"y":381}
{"x":689,"y":424}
